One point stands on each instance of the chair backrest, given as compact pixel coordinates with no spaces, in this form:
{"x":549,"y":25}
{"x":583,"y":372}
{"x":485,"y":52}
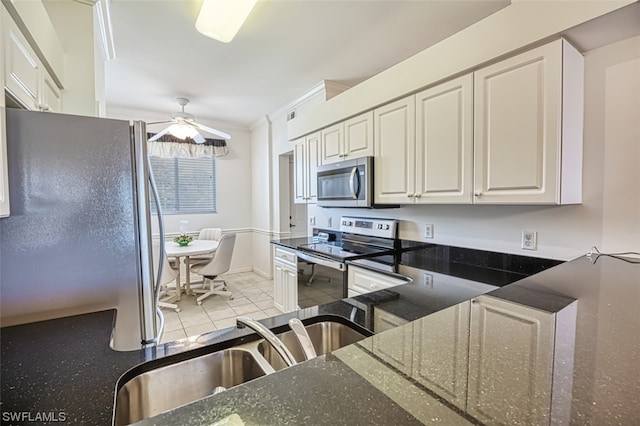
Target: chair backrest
{"x":210,"y":234}
{"x":221,"y":261}
{"x":168,"y":273}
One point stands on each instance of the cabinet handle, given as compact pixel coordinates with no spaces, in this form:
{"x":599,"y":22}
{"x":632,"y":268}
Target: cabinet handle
{"x":410,"y":195}
{"x":44,"y":107}
{"x":417,"y":195}
{"x":477,"y":194}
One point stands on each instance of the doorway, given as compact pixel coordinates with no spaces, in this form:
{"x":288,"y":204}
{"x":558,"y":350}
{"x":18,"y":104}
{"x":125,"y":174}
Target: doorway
{"x":297,"y":212}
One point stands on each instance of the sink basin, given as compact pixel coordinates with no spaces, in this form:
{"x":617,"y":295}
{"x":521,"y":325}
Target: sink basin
{"x":147,"y":391}
{"x":326,"y":336}
{"x":169,"y":387}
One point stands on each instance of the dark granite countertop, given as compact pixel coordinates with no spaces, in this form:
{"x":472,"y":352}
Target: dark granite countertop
{"x":77,"y":372}
{"x":385,"y":379}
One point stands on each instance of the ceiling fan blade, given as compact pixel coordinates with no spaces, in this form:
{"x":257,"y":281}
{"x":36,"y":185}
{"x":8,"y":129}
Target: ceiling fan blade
{"x":159,"y":122}
{"x":223,"y":135}
{"x":159,"y":135}
{"x":197,"y":138}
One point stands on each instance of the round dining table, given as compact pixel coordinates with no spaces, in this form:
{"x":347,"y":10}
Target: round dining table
{"x":195,"y":248}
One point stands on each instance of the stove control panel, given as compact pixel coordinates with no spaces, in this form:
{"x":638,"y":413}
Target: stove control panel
{"x":384,"y":228}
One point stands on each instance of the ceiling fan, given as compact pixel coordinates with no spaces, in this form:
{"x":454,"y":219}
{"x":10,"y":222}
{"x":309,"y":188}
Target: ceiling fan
{"x":184,"y":125}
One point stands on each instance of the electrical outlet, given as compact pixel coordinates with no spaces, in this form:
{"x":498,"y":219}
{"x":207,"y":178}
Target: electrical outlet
{"x":428,"y":280}
{"x":312,"y":220}
{"x":529,"y":239}
{"x":428,"y":231}
{"x":329,"y":222}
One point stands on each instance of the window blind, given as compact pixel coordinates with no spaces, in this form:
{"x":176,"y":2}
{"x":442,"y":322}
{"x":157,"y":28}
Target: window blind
{"x":185,"y":185}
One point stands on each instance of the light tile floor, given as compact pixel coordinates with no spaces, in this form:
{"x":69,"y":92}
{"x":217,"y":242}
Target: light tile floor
{"x":252,"y":297}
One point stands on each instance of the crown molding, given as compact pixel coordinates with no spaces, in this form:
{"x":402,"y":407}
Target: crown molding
{"x":102,"y":14}
{"x":326,"y":87}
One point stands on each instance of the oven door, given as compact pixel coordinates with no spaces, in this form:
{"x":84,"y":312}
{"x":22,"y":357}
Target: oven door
{"x":345,"y":184}
{"x":320,"y":280}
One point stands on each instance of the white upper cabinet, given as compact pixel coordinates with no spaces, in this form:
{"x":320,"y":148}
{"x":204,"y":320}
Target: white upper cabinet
{"x":444,"y":143}
{"x":424,"y":146}
{"x":528,"y":128}
{"x":4,"y":173}
{"x":305,"y":164}
{"x":22,"y":68}
{"x":349,"y":139}
{"x":26,"y":79}
{"x":394,"y":145}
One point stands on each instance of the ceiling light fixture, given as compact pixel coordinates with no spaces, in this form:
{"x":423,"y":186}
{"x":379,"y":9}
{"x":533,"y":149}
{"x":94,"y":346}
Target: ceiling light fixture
{"x":221,"y":19}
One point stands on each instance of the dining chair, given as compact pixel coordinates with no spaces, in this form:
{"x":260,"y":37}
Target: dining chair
{"x":206,"y":234}
{"x":169,"y":273}
{"x":217,"y":266}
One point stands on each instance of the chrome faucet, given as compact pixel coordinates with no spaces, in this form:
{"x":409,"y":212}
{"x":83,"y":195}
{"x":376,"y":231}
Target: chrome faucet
{"x":271,"y":338}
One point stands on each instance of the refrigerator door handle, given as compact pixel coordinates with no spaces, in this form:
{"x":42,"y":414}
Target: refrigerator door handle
{"x":156,"y":197}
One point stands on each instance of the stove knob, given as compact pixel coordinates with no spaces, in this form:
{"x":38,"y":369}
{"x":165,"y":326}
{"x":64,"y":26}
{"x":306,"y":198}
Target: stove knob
{"x":386,"y":227}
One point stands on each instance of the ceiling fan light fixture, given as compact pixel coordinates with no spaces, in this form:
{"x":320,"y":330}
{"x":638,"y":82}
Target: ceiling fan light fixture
{"x":182,"y":131}
{"x":221,"y":19}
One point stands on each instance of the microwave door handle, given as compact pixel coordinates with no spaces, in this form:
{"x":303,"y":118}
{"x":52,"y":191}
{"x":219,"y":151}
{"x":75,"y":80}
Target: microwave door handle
{"x":354,"y":173}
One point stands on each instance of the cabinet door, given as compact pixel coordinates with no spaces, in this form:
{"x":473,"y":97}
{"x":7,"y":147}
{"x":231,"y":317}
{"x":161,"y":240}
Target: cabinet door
{"x":441,"y":345}
{"x":4,"y":181}
{"x":444,"y":143}
{"x":279,"y":281}
{"x":394,"y":146}
{"x":50,"y":95}
{"x":358,"y":136}
{"x":313,"y":146}
{"x":510,"y":362}
{"x":21,"y":67}
{"x":300,"y":171}
{"x":332,"y":144}
{"x":290,"y":289}
{"x":396,"y":347}
{"x":518,"y":128}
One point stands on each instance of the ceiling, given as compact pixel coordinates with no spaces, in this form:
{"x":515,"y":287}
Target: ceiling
{"x":284,"y":49}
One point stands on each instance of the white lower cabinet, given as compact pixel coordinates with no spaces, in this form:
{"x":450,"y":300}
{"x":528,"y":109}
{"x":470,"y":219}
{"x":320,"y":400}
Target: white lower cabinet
{"x":520,"y":363}
{"x":440,"y":349}
{"x":285,"y":280}
{"x":362,"y":281}
{"x":395,"y":346}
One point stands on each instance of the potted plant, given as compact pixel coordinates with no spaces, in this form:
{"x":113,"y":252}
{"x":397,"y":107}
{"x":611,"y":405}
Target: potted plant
{"x":183,"y":240}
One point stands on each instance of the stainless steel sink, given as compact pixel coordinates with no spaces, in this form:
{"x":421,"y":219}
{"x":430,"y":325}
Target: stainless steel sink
{"x":169,"y":387}
{"x":161,"y":389}
{"x":326,"y":336}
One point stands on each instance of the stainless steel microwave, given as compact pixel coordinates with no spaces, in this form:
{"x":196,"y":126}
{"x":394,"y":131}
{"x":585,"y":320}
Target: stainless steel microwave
{"x":346,"y":183}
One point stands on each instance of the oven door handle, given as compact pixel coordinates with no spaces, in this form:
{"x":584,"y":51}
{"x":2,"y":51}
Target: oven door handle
{"x":320,"y":261}
{"x":352,"y":179}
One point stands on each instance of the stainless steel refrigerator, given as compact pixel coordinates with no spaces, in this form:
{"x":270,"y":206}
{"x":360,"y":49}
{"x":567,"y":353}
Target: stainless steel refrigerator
{"x":78,"y":238}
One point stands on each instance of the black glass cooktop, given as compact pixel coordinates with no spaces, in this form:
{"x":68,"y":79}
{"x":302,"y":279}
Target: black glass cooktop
{"x":343,"y":250}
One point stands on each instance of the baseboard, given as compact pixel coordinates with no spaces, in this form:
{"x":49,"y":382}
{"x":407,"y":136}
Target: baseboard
{"x":239,"y":270}
{"x":263,"y":274}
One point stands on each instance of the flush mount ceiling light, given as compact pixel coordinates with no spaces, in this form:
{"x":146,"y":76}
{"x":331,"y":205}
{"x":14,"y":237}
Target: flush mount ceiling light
{"x":221,"y":19}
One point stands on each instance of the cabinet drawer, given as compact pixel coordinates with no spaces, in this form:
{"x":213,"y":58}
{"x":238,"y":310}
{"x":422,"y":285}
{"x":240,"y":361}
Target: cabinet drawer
{"x":286,"y":256}
{"x":365,"y":281}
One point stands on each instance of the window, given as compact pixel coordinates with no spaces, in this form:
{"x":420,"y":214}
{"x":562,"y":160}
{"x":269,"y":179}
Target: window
{"x":185,"y":185}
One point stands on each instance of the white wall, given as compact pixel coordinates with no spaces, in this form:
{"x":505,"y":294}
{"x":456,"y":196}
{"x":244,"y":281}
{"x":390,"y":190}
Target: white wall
{"x":261,"y":205}
{"x":609,"y":216}
{"x":233,"y":177}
